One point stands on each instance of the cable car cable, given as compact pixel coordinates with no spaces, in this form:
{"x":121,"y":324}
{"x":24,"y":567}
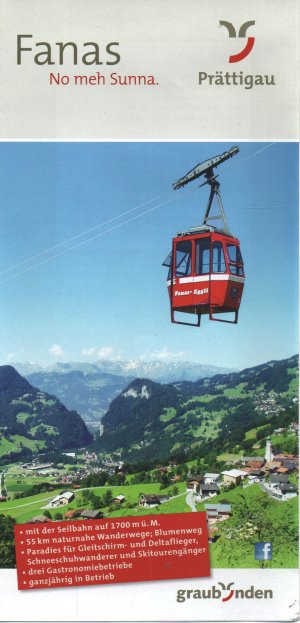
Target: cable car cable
{"x":48,"y":259}
{"x":101,"y":233}
{"x":87,"y":231}
{"x":257,"y":152}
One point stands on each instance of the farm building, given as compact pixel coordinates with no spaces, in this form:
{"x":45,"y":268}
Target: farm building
{"x":211,"y":478}
{"x":39,"y":519}
{"x":217,"y":512}
{"x":62,"y":499}
{"x":234,"y":476}
{"x":119,"y":499}
{"x":193,"y":483}
{"x":209,"y":490}
{"x":148,"y":501}
{"x":88,"y":514}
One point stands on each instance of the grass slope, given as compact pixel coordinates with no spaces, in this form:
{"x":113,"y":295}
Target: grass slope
{"x":239,"y":553}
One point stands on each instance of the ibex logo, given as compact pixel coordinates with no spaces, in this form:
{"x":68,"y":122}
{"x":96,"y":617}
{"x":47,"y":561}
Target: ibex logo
{"x":235,"y":58}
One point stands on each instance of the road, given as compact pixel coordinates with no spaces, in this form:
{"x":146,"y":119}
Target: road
{"x":2,"y":482}
{"x":10,"y":508}
{"x":191,"y":501}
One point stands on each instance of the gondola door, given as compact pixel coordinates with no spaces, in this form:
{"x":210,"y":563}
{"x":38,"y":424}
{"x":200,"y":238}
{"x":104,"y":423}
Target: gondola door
{"x":189,"y":277}
{"x":201,"y":298}
{"x":181,"y":283}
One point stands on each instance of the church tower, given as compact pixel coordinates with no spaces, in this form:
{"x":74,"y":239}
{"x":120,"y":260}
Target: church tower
{"x":269,"y":454}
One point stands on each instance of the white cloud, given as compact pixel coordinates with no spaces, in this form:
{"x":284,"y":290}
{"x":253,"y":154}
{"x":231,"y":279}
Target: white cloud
{"x":161,"y":357}
{"x":166,"y":355}
{"x":89,"y":352}
{"x":56,"y":350}
{"x":108,"y":352}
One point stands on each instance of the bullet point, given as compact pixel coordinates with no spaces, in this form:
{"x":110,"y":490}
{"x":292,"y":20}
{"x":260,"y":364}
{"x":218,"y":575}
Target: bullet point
{"x":22,"y":552}
{"x":24,"y":572}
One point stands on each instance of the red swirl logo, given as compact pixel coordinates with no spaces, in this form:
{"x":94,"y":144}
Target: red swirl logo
{"x":236,"y":58}
{"x":227,"y":588}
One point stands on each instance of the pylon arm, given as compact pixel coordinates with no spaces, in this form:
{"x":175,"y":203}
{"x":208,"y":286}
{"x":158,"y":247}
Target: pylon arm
{"x":205,"y":168}
{"x":220,"y":216}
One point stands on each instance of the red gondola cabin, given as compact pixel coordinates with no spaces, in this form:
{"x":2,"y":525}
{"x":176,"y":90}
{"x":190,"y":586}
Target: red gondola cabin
{"x":206,"y":270}
{"x":206,"y":275}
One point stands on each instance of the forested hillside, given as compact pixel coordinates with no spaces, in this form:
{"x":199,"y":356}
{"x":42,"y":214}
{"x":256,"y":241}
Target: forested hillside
{"x":152,"y":420}
{"x":31,"y":420}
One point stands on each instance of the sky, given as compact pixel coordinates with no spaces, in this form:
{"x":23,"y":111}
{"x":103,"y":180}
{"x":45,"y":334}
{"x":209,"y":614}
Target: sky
{"x":85,"y":227}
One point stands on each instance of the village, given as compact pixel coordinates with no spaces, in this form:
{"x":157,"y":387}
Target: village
{"x":276,"y":474}
{"x":257,"y":478}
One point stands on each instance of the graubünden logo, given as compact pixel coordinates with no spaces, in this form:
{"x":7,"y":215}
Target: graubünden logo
{"x":236,"y":58}
{"x":224,"y":593}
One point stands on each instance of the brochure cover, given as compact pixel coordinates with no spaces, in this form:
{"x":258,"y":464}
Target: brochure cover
{"x":149,"y":337}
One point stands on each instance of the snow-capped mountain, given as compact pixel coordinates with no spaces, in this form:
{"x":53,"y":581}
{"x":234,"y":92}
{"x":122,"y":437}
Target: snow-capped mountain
{"x":162,"y":371}
{"x":89,"y":388}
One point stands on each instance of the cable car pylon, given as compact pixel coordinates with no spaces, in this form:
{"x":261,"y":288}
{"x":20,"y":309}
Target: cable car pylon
{"x":206,"y":271}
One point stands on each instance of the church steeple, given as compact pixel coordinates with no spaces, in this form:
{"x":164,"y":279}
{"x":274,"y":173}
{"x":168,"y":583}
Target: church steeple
{"x":269,"y":453}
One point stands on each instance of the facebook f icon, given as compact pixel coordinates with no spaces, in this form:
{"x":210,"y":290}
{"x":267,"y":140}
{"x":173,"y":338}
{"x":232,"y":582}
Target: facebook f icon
{"x":263,"y":551}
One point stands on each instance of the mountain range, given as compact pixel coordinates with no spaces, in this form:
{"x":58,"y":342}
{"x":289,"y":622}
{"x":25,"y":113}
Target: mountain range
{"x":88,"y":388}
{"x":156,"y":370}
{"x":149,"y":420}
{"x":31,"y":420}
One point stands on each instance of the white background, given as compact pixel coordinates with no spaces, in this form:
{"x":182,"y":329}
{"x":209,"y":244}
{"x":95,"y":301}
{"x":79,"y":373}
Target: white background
{"x":174,"y":40}
{"x":154,"y":601}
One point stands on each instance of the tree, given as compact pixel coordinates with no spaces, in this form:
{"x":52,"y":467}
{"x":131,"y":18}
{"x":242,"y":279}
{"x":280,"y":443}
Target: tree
{"x":117,"y":479}
{"x":79,"y":501}
{"x":7,"y":545}
{"x":229,"y":486}
{"x":58,"y":517}
{"x":47,"y":514}
{"x":94,"y":501}
{"x":85,"y":496}
{"x":107,"y":498}
{"x":253,"y":521}
{"x":164,"y":481}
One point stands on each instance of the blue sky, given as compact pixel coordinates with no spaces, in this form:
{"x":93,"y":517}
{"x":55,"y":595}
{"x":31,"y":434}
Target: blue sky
{"x":107,"y":296}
